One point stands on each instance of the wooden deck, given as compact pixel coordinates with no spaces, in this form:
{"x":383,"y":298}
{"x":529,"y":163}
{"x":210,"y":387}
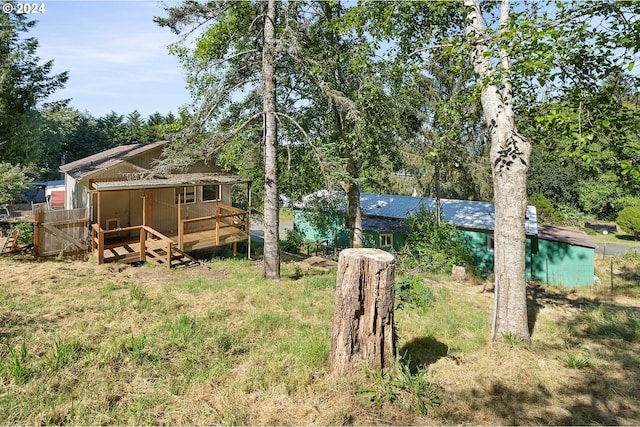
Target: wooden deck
{"x":142,"y":243}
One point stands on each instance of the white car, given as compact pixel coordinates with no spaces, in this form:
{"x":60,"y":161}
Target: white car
{"x":4,"y":211}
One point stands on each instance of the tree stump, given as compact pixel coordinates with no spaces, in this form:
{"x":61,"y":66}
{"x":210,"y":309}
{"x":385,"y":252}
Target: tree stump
{"x":363,"y":328}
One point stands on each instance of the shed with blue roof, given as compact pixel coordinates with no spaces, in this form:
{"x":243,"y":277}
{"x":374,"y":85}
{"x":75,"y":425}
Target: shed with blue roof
{"x":557,"y":256}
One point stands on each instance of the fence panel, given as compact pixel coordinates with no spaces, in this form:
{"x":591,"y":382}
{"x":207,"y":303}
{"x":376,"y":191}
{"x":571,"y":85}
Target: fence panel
{"x":60,"y":232}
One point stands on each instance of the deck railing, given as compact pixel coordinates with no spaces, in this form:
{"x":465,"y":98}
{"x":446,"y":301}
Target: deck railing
{"x":150,"y":241}
{"x":226,"y":217}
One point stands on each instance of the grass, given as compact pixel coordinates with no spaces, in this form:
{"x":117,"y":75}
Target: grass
{"x":620,"y":238}
{"x":86,"y":344}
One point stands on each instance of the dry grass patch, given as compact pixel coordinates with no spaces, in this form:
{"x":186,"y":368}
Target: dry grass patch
{"x":112,"y":344}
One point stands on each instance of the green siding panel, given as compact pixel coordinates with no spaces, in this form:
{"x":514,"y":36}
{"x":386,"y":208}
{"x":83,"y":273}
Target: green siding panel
{"x":563,"y":264}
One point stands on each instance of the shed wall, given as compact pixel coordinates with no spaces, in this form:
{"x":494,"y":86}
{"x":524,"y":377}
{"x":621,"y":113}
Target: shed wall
{"x":560,"y":263}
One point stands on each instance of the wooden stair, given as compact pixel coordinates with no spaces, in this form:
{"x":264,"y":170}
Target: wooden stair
{"x":156,"y":255}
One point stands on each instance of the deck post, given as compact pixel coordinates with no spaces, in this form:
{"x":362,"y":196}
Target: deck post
{"x":100,"y":244}
{"x":217,"y":224}
{"x":169,"y":255}
{"x":144,"y":209}
{"x":180,"y":224}
{"x":143,"y":242}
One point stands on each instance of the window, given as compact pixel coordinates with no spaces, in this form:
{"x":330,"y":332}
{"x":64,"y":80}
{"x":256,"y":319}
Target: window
{"x":187,"y":195}
{"x":386,"y":240}
{"x":210,"y":193}
{"x":490,"y":243}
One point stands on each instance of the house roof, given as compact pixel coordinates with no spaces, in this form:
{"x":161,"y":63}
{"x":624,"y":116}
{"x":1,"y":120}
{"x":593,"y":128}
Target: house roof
{"x":462,"y":213}
{"x":565,"y":235}
{"x":175,"y":180}
{"x":384,"y":225}
{"x":90,"y":165}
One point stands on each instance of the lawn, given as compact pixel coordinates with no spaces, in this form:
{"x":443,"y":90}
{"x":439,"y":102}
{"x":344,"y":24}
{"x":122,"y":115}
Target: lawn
{"x":112,"y":344}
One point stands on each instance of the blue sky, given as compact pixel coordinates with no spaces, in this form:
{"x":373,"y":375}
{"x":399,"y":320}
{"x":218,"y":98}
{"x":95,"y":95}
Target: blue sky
{"x":116,"y":56}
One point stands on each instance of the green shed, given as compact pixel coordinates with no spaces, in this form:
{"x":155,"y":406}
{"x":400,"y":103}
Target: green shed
{"x":553,"y":255}
{"x":562,"y":256}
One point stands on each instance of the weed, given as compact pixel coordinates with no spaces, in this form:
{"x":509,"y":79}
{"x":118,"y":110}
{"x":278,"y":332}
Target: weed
{"x":575,"y":361}
{"x":511,"y":340}
{"x":18,"y":364}
{"x":413,"y":292}
{"x":62,"y":354}
{"x":182,"y":327}
{"x":136,"y":293}
{"x":400,"y":385}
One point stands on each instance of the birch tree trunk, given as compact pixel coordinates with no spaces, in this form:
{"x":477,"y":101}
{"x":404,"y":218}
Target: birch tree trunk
{"x":510,"y":153}
{"x":271,"y":265}
{"x":363,"y":328}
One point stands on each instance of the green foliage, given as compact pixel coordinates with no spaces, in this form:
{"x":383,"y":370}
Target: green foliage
{"x":431,"y":247}
{"x":546,"y":213}
{"x":601,"y":196}
{"x":413,"y":292}
{"x":293,"y":242}
{"x":401,"y":386}
{"x":575,"y":361}
{"x":629,"y":220}
{"x":24,"y":83}
{"x":13,"y":180}
{"x":17,"y":364}
{"x":25,"y":237}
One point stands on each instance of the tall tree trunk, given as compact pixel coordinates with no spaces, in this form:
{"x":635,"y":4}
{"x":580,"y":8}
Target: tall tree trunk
{"x":510,"y":153}
{"x":271,"y":267}
{"x":353,"y":205}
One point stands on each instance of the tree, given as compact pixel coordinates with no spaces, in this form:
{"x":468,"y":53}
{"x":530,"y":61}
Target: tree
{"x":356,"y":108}
{"x":271,"y":264}
{"x":542,"y":47}
{"x":24,"y":83}
{"x":629,"y":220}
{"x":234,"y":56}
{"x":13,"y":180}
{"x":510,"y":153}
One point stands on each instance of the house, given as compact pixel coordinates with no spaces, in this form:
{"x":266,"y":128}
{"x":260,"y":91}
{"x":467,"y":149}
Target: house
{"x":551,"y":255}
{"x":51,"y":192}
{"x":128,"y":205}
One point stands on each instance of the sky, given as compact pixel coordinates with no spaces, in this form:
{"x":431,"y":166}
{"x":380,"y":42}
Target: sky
{"x":115,"y":54}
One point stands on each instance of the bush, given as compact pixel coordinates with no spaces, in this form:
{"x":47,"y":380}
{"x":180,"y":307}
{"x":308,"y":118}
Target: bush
{"x":293,"y":242}
{"x":431,"y":247}
{"x":546,"y":213}
{"x":629,"y":220}
{"x":25,"y":237}
{"x":413,"y":292}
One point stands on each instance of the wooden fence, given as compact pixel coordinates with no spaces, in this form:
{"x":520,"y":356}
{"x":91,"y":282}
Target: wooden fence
{"x":59,"y":232}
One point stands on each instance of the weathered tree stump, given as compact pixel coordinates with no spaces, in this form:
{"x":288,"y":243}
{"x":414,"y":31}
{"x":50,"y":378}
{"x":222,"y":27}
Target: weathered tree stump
{"x":363,"y":328}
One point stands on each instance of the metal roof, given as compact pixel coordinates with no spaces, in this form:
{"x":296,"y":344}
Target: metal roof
{"x":565,"y":235}
{"x":175,"y":180}
{"x":87,"y":166}
{"x":462,"y":213}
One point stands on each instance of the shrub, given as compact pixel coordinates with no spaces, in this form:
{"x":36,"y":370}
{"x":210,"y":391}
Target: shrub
{"x":629,"y":220}
{"x":293,"y":242}
{"x":431,"y":247}
{"x":412,"y":291}
{"x":546,"y":213}
{"x":26,"y":233}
